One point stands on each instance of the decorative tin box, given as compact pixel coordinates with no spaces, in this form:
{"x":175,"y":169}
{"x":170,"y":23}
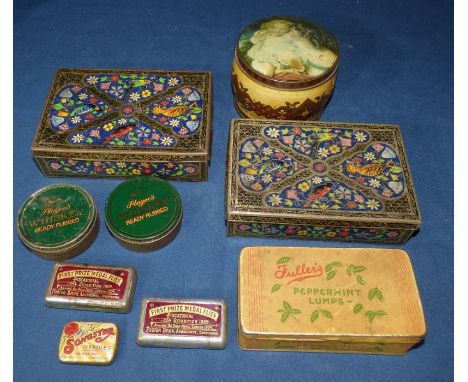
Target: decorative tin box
{"x":184,"y":323}
{"x":89,"y":343}
{"x":284,"y":68}
{"x":357,"y":300}
{"x":120,"y":123}
{"x":91,"y":287}
{"x":319,"y":180}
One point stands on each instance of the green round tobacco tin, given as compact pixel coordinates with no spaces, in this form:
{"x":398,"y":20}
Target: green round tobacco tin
{"x":144,"y":214}
{"x":58,"y":222}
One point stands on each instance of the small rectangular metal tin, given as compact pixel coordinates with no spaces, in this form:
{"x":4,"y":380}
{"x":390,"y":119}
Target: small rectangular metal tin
{"x":91,"y":287}
{"x":88,"y":343}
{"x":340,"y":300}
{"x":166,"y":322}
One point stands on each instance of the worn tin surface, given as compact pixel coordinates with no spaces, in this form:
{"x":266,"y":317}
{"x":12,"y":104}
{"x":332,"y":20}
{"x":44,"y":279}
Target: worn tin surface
{"x":91,"y":287}
{"x":319,"y":180}
{"x":91,"y":343}
{"x":58,"y":222}
{"x":284,"y":68}
{"x":121,"y":123}
{"x":358,"y":300}
{"x":143,"y":213}
{"x":183,"y":323}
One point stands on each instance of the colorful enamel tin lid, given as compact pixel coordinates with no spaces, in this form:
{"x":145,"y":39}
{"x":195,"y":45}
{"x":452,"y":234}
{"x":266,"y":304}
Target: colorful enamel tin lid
{"x":58,"y":222}
{"x":287,"y":52}
{"x":144,"y":213}
{"x":91,"y":343}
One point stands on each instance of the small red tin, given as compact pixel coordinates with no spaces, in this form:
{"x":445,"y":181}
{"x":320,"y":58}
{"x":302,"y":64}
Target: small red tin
{"x":91,"y":287}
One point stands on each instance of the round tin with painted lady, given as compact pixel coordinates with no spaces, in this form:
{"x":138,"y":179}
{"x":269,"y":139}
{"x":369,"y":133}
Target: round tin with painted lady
{"x":284,"y":68}
{"x":144,"y":214}
{"x":58,"y":222}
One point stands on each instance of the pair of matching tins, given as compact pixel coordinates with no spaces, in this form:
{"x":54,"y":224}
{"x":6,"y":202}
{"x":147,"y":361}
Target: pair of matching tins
{"x":60,"y":221}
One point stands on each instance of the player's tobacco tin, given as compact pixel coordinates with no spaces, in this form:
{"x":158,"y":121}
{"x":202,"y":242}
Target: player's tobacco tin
{"x":121,"y":123}
{"x":319,"y":180}
{"x":358,"y":300}
{"x":144,"y":213}
{"x":91,"y":287}
{"x":284,"y":68}
{"x":58,"y":222}
{"x":92,"y":343}
{"x":167,"y":322}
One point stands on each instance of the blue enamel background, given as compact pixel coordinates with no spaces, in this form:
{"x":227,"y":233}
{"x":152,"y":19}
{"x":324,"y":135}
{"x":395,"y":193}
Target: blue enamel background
{"x":396,"y":67}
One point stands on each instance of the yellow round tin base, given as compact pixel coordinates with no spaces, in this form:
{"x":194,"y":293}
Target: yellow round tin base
{"x":144,"y":214}
{"x":58,"y":222}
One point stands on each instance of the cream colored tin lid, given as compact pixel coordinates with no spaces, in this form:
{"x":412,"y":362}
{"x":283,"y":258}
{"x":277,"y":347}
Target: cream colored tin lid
{"x":287,"y":50}
{"x":323,"y":293}
{"x":92,"y":343}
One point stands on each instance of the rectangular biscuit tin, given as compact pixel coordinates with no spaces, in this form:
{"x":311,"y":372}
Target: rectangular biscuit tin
{"x":122,"y":123}
{"x":183,"y":323}
{"x":319,"y":180}
{"x":91,"y":287}
{"x":344,"y":300}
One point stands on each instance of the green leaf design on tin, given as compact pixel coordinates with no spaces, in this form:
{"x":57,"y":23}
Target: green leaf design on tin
{"x":288,"y":311}
{"x":360,"y":280}
{"x":315,"y":315}
{"x":283,"y":260}
{"x":373,"y":314}
{"x":359,"y":268}
{"x":350,"y":270}
{"x":376,"y":293}
{"x":327,"y":314}
{"x":330,"y":269}
{"x":357,"y":308}
{"x":276,"y":288}
{"x":317,"y":312}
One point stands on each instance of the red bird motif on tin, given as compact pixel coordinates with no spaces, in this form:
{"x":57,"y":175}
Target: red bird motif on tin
{"x":317,"y":193}
{"x":123,"y":130}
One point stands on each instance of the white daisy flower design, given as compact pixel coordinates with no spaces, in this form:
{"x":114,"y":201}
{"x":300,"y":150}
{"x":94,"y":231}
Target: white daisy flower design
{"x":275,"y":200}
{"x":134,"y":96}
{"x":266,"y":178}
{"x":176,"y":99}
{"x":369,"y":156}
{"x":76,"y":119}
{"x":174,"y":122}
{"x":360,"y":136}
{"x":374,"y":183}
{"x":173,"y":81}
{"x":323,"y":152}
{"x":122,"y":121}
{"x":166,"y":141}
{"x":92,"y":80}
{"x":82,"y":96}
{"x":273,"y":132}
{"x":78,"y":138}
{"x":373,"y":204}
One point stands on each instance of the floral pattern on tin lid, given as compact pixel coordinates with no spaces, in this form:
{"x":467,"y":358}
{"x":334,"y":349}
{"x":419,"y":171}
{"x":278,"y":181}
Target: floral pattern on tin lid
{"x":74,"y":105}
{"x":177,"y":114}
{"x":328,"y":183}
{"x":123,"y":132}
{"x":260,"y":165}
{"x":131,"y":87}
{"x":323,"y":193}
